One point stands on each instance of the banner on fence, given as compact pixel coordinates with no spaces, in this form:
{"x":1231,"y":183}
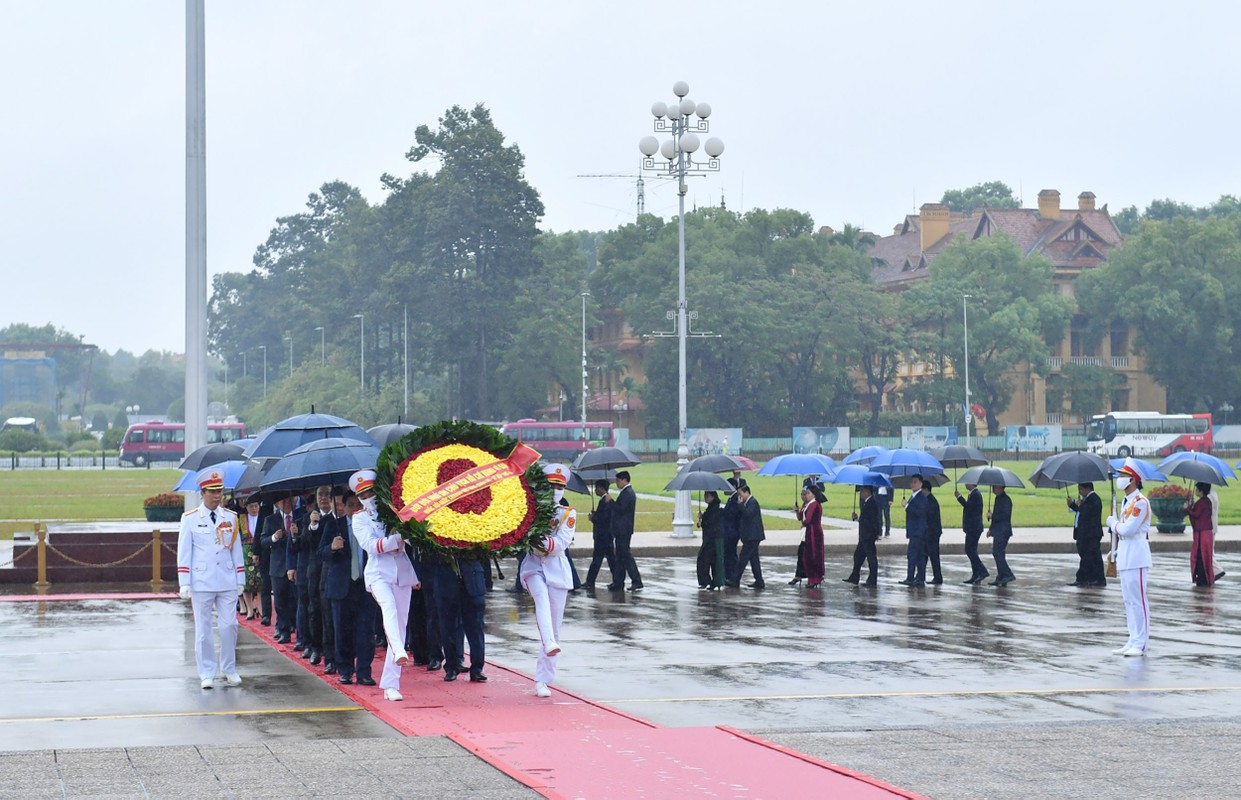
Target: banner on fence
{"x":709,"y":441}
{"x":821,"y":440}
{"x":928,"y":437}
{"x":1034,"y":438}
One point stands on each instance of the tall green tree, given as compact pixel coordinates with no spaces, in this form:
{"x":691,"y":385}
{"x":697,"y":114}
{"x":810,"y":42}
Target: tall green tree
{"x":992,"y":194}
{"x":1178,"y":282}
{"x":1014,"y":313}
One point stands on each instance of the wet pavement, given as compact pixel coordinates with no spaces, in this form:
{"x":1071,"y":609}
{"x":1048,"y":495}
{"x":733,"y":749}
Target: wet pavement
{"x":951,"y":691}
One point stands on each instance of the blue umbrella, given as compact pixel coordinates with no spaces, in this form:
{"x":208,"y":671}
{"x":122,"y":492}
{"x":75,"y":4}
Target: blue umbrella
{"x":1206,"y":458}
{"x":319,"y":462}
{"x":1146,"y":469}
{"x":860,"y":475}
{"x":287,"y":435}
{"x":800,"y":464}
{"x":904,"y":462}
{"x":232,"y":471}
{"x":865,"y":455}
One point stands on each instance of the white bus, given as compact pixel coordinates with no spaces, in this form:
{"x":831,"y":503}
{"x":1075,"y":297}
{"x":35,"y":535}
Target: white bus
{"x":1147,"y":433}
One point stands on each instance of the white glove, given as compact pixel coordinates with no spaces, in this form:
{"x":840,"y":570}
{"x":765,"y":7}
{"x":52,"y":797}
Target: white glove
{"x":1111,"y":522}
{"x":185,"y":593}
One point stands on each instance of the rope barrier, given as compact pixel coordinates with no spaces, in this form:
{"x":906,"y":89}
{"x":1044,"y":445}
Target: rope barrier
{"x":118,"y":562}
{"x":13,"y":561}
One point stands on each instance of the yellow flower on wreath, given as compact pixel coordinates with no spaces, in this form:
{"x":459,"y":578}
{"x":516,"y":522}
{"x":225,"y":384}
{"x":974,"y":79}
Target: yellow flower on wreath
{"x":508,"y":497}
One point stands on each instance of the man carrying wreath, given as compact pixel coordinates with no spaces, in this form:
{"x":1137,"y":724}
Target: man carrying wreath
{"x":547,"y":576}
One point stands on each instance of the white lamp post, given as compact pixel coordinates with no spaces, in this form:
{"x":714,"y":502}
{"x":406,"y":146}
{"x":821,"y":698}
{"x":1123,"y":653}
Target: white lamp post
{"x":965,"y":318}
{"x":585,"y":438}
{"x":361,"y":352}
{"x":322,"y":346}
{"x":289,"y":339}
{"x":683,"y":120}
{"x":263,"y":347}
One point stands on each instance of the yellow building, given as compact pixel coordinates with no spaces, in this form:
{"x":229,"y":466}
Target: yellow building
{"x":1074,"y":240}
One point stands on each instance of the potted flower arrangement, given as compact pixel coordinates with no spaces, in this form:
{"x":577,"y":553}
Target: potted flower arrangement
{"x":167,"y":507}
{"x":1168,"y":505}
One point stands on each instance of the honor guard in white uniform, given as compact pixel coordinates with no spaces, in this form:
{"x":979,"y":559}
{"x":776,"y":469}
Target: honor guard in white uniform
{"x":546,"y":574}
{"x":1132,"y":554}
{"x":211,"y":570}
{"x":389,"y":577}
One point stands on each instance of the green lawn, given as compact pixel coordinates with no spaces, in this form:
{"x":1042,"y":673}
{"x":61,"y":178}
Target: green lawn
{"x":27,"y":496}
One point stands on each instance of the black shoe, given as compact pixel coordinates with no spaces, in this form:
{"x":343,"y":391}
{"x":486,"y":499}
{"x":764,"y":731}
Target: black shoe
{"x":795,"y":581}
{"x":299,"y":647}
{"x":315,"y":658}
{"x":434,"y":665}
{"x":1076,"y":583}
{"x":853,"y":579}
{"x":366,"y":681}
{"x":970,"y":582}
{"x":937,"y":581}
{"x":330,"y":669}
{"x":588,"y":586}
{"x":906,"y":582}
{"x":636,"y":587}
{"x":265,"y":621}
{"x":282,"y":638}
{"x":733,"y":584}
{"x":1220,"y":574}
{"x":1097,"y":584}
{"x":346,"y":679}
{"x":419,"y":662}
{"x":450,"y":675}
{"x":516,"y":590}
{"x":871,"y":583}
{"x":616,"y":587}
{"x":756,"y":585}
{"x":306,"y":652}
{"x":477,"y":676}
{"x":918,"y":584}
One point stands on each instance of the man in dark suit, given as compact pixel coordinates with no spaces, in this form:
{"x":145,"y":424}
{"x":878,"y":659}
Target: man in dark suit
{"x":934,"y":530}
{"x":306,"y":544}
{"x":869,"y":529}
{"x":422,"y":640}
{"x":750,"y":526}
{"x":999,"y":533}
{"x":353,"y":610}
{"x":915,"y":532}
{"x":622,"y":533}
{"x":1088,"y":536}
{"x":461,"y":601}
{"x":601,"y":520}
{"x":971,"y":523}
{"x":281,"y":526}
{"x":729,"y":527}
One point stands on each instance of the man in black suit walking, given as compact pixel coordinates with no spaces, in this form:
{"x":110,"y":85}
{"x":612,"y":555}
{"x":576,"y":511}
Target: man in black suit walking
{"x":750,"y":525}
{"x":601,"y":519}
{"x":869,"y":529}
{"x":1088,"y":536}
{"x":622,"y":532}
{"x":280,"y":528}
{"x":971,"y":523}
{"x":353,"y":608}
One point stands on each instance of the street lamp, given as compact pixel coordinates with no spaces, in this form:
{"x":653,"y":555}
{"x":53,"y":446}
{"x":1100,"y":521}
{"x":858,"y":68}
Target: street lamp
{"x":289,"y":339}
{"x":965,"y":318}
{"x":585,"y":438}
{"x":361,"y":353}
{"x":1225,"y":407}
{"x":322,"y":346}
{"x":263,"y":347}
{"x":226,"y":384}
{"x":678,"y":119}
{"x":244,"y":371}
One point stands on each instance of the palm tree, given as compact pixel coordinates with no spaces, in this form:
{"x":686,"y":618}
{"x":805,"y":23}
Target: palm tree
{"x":853,"y":237}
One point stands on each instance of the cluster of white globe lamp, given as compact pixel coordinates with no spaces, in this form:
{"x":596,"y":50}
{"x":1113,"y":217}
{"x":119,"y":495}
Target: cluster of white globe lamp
{"x":678,"y":120}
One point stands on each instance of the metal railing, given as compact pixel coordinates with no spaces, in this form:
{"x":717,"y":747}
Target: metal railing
{"x":42,"y":547}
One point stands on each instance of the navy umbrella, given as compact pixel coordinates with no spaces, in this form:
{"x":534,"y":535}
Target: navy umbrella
{"x":289,"y":434}
{"x":323,"y":461}
{"x":1199,"y":471}
{"x":384,"y":435}
{"x":212,"y":454}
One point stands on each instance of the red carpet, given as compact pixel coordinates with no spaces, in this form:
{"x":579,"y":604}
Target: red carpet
{"x":569,"y":746}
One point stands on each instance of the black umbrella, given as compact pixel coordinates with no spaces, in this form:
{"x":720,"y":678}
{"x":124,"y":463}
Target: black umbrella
{"x":324,"y":461}
{"x":605,"y":458}
{"x":1195,"y":471}
{"x":698,"y":481}
{"x":991,"y":476}
{"x":212,"y":454}
{"x":718,"y":462}
{"x":1075,"y":467}
{"x":959,"y":455}
{"x":385,"y":435}
{"x":291,"y":433}
{"x":934,"y":479}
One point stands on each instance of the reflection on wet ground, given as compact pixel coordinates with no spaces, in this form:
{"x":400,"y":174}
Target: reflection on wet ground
{"x":788,"y":658}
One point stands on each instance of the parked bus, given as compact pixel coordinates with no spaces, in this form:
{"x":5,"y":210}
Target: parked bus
{"x":165,"y":441}
{"x":561,"y":441}
{"x":1148,"y":433}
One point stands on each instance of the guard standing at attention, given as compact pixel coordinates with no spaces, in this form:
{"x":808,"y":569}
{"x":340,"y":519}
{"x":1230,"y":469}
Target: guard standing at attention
{"x":211,"y":570}
{"x":1133,"y":558}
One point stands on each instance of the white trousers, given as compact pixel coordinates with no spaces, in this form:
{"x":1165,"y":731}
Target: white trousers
{"x":225,"y":605}
{"x":548,"y":614}
{"x":393,"y":602}
{"x":1137,"y":606}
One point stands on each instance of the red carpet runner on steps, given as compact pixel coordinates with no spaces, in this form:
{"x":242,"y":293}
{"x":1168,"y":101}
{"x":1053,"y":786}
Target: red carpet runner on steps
{"x":569,"y":746}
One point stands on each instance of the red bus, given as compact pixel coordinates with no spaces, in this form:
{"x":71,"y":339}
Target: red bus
{"x":558,"y":441}
{"x":165,"y":441}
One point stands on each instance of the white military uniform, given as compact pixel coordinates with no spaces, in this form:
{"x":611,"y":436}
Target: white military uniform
{"x":389,"y":577}
{"x":1133,"y":563}
{"x":548,"y":579}
{"x":211,"y":562}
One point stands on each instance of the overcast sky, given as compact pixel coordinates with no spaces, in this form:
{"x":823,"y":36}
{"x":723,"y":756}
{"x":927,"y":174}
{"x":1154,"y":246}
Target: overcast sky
{"x":854,"y":112}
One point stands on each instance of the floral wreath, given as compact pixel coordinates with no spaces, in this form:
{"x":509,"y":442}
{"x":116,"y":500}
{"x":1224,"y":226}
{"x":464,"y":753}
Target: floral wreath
{"x":512,"y":512}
